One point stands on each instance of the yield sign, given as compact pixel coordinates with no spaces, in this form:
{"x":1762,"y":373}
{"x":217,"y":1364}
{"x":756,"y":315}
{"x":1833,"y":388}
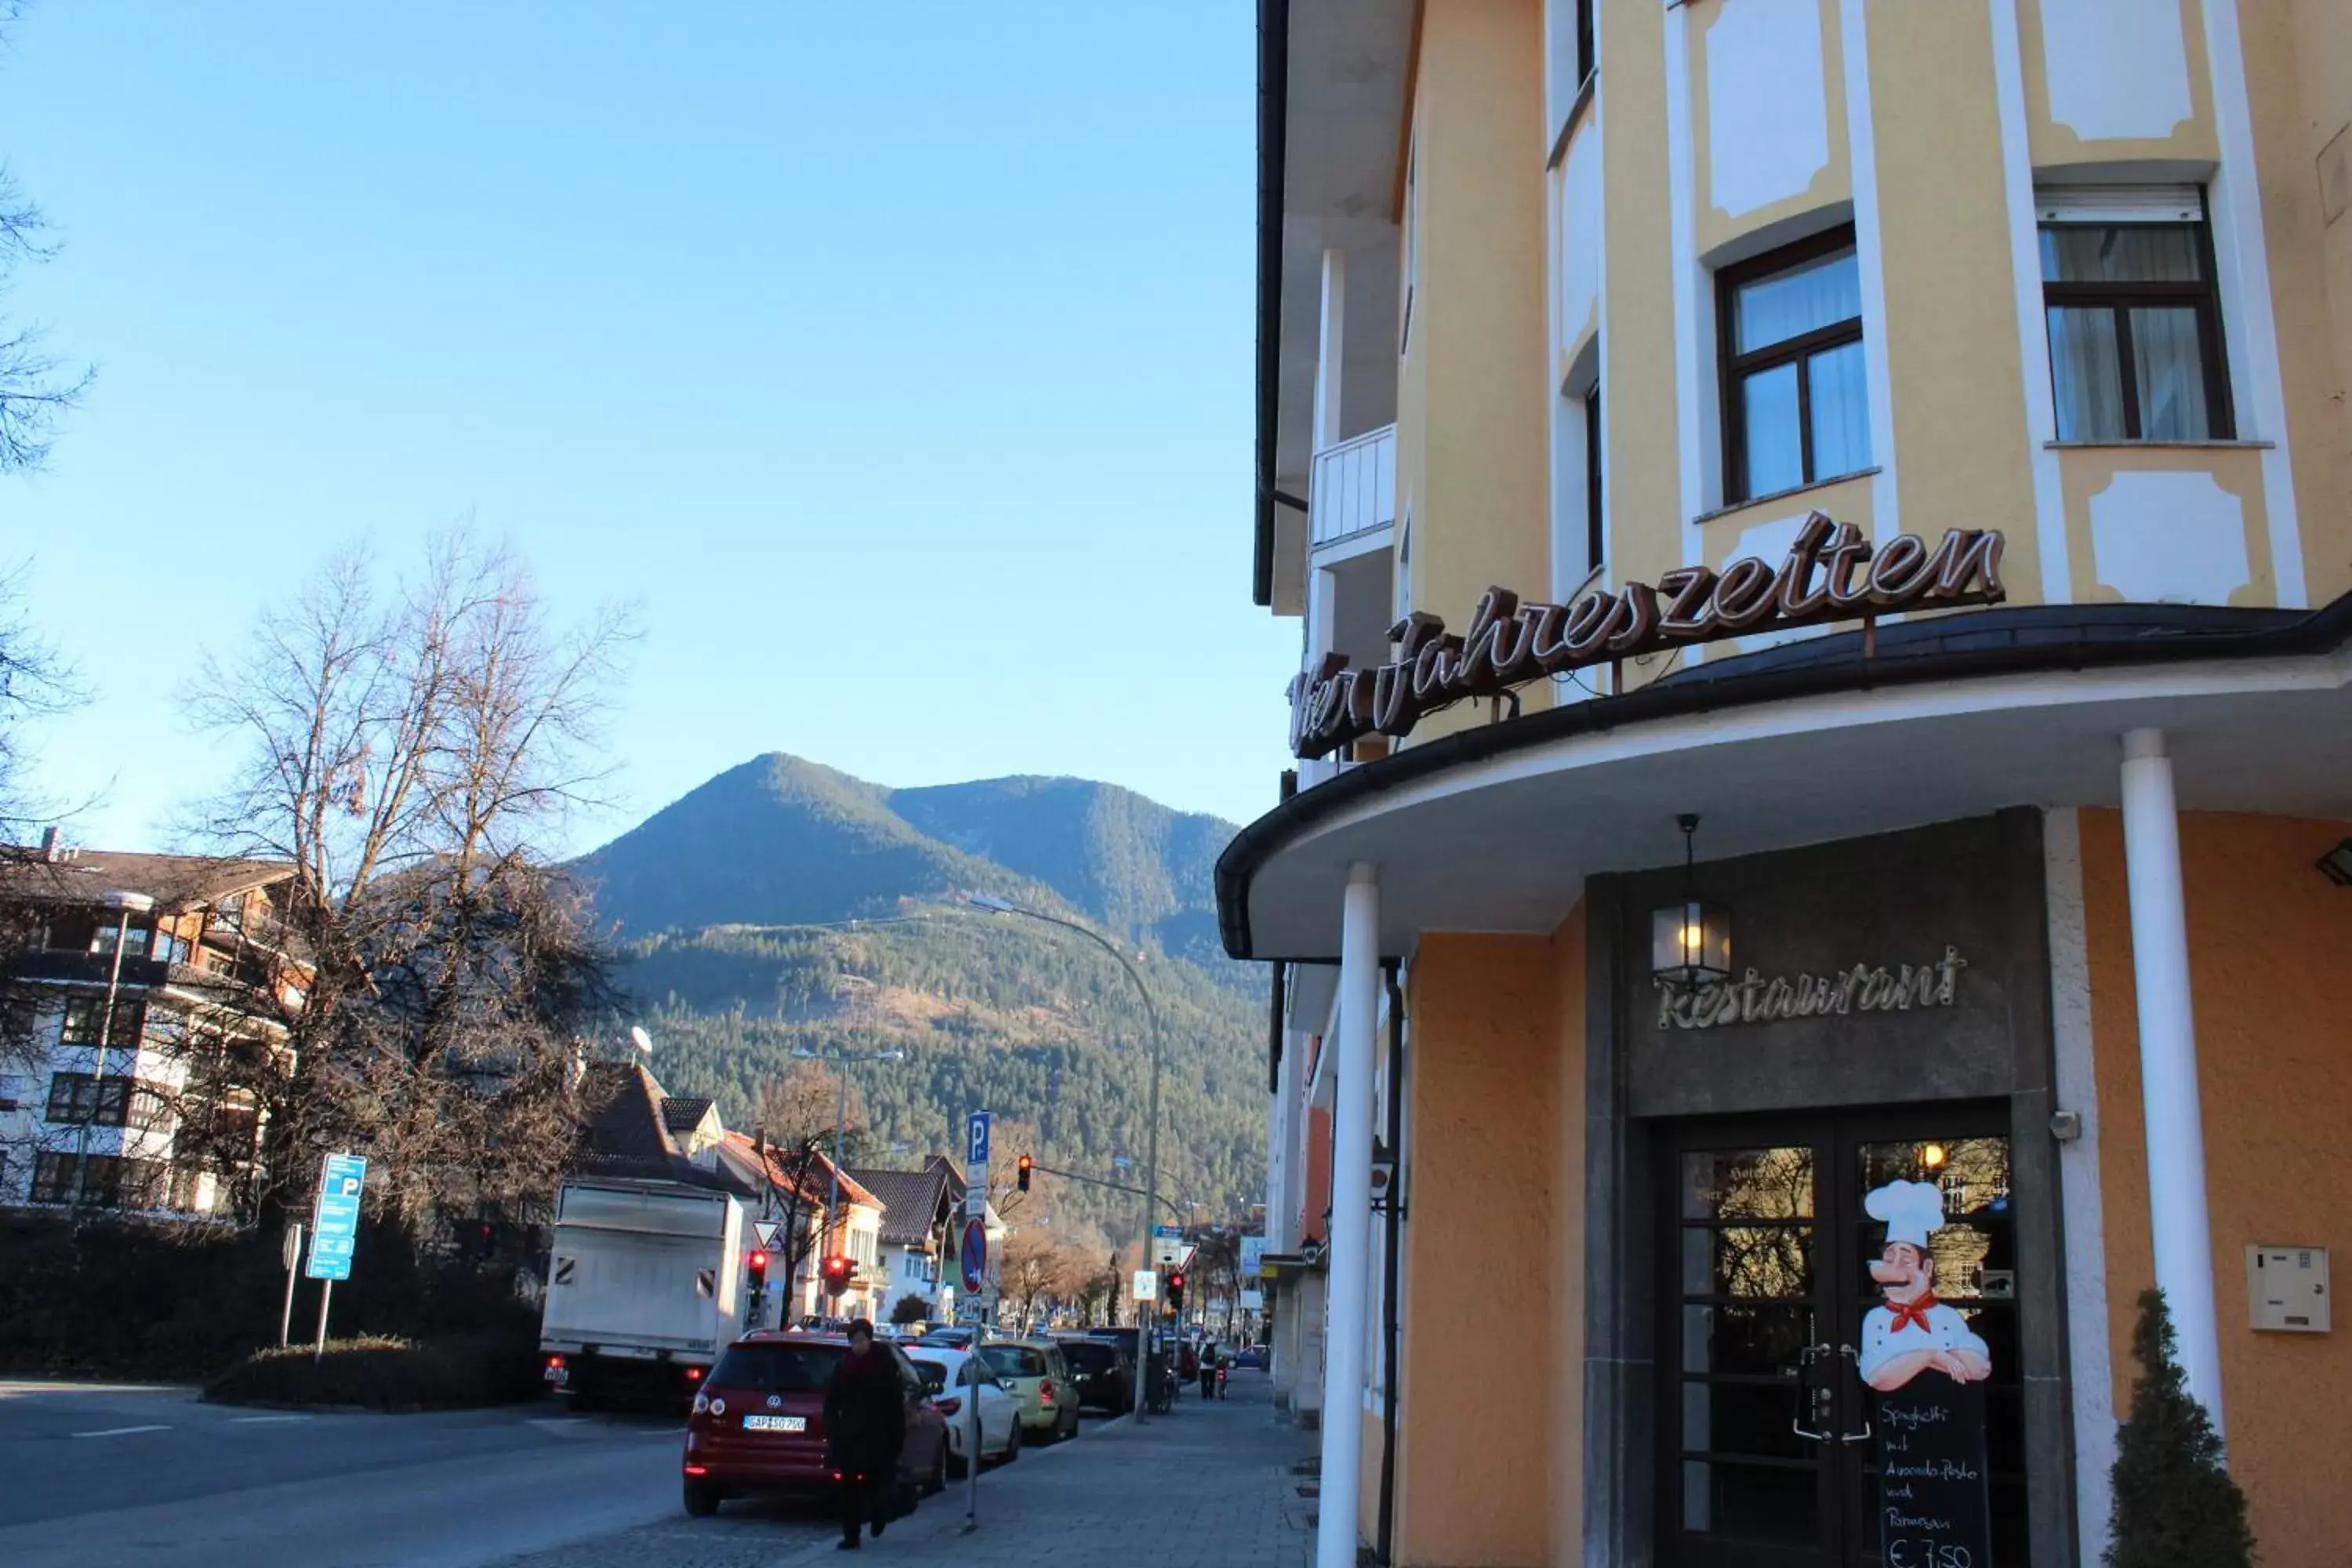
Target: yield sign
{"x":765,"y":1229}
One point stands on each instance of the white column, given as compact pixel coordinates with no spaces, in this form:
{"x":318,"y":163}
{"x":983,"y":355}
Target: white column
{"x":1280,"y":1154}
{"x":1332,"y":353}
{"x":1350,"y":1257}
{"x":2168,"y":1063}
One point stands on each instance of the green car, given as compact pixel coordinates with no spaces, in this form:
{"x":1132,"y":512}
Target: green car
{"x":1040,"y":1379}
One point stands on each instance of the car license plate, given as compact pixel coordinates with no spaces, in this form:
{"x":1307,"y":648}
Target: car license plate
{"x":559,"y":1375}
{"x":775,"y":1424}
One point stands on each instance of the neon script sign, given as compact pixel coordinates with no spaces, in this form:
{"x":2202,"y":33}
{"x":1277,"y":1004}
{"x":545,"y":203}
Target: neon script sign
{"x":1831,"y":572}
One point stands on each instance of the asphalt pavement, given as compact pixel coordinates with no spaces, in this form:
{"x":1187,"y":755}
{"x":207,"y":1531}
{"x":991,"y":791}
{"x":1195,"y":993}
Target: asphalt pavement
{"x":94,"y":1474}
{"x":1210,"y":1486}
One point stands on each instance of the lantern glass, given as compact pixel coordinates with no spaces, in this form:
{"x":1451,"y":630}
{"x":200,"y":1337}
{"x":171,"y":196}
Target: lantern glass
{"x":1690,"y":942}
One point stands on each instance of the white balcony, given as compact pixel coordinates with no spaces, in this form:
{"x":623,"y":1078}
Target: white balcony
{"x":1352,"y":499}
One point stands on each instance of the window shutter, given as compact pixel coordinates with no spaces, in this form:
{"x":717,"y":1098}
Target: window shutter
{"x":2119,"y":204}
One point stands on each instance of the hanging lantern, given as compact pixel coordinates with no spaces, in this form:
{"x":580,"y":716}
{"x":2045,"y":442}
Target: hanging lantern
{"x":1690,"y":942}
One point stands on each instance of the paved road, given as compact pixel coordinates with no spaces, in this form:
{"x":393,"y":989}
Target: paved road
{"x":1209,"y":1487}
{"x":105,"y":1475}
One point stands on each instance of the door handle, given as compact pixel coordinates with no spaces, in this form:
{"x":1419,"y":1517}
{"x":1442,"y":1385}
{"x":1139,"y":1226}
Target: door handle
{"x":1863,"y":1436}
{"x":1819,"y":1397}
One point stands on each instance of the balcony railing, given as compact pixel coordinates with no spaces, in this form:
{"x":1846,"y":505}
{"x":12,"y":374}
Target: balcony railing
{"x":1353,"y":488}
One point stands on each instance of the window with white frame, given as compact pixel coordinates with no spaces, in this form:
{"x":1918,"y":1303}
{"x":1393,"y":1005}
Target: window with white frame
{"x":2134,"y":315}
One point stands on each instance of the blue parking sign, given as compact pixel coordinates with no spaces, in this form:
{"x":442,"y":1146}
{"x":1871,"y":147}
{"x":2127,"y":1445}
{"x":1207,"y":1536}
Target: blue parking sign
{"x":335,"y":1218}
{"x":976,"y":1139}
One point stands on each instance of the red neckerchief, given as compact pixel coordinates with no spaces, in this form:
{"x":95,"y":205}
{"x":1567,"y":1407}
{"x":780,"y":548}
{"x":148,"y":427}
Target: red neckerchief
{"x":1912,"y":1313}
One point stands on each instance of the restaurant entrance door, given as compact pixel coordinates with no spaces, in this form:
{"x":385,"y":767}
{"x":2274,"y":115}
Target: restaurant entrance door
{"x":1766,"y":1457}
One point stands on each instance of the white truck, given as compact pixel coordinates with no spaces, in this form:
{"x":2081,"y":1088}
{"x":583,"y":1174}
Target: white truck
{"x":644,"y":1288}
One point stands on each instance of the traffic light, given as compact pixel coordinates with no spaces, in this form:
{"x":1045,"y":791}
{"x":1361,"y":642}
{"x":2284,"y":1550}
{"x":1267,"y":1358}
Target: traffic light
{"x":755,"y":1268}
{"x":836,"y":1270}
{"x":1023,"y":1167}
{"x":1176,"y":1290}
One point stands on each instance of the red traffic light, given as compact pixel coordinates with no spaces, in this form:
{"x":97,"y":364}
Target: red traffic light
{"x":757,"y":1265}
{"x":1023,"y":1168}
{"x":836,"y":1270}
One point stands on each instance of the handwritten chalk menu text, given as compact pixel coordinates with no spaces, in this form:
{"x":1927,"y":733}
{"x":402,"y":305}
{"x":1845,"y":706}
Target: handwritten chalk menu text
{"x":1934,"y":1508}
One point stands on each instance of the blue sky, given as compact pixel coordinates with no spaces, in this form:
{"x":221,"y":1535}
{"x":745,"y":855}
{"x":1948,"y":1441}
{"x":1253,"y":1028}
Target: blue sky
{"x":894,"y":358}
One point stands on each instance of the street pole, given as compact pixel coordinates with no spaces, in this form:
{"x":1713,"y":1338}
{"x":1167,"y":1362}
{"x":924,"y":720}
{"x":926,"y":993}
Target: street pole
{"x":1143,"y":1321}
{"x":326,"y":1294}
{"x":840,"y":1125}
{"x":127,"y":903}
{"x":292,"y":1251}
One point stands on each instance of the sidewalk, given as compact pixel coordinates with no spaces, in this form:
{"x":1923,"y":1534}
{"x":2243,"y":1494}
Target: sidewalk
{"x":1210,"y":1486}
{"x":1207,"y":1487}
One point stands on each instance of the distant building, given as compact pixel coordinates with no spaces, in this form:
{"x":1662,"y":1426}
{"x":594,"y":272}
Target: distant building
{"x":631,"y":1127}
{"x":130,"y":986}
{"x":923,"y":1213}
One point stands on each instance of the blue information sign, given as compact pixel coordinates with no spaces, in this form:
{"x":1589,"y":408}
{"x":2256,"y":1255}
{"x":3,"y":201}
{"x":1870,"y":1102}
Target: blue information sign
{"x":335,"y":1224}
{"x":976,"y":1139}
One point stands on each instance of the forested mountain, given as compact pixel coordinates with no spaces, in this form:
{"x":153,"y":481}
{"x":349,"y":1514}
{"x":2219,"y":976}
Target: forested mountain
{"x":716,"y":895}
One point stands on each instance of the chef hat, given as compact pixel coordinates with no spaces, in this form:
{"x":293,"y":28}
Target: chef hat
{"x":1912,"y":1210}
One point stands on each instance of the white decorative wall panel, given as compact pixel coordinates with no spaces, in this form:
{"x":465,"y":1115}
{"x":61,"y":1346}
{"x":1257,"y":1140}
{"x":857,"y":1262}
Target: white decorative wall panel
{"x":2168,"y":538}
{"x":1579,"y":259}
{"x":2116,"y":68}
{"x":1768,"y":542}
{"x":1768,"y":131}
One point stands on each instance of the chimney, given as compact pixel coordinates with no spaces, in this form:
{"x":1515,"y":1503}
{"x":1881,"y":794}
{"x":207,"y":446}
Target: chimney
{"x":52,"y":846}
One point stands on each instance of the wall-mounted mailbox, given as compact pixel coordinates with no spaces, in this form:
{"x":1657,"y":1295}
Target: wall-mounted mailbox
{"x":2287,"y":1289}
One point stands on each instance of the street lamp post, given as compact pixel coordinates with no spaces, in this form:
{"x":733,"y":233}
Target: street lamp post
{"x":842,"y":1060}
{"x":129,"y":904}
{"x":1151,"y":1139}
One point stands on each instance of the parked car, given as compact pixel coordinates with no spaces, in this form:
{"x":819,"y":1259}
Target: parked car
{"x":1038,"y":1376}
{"x":956,"y":1339}
{"x":1101,"y":1373}
{"x":951,"y":1376}
{"x":758,"y":1424}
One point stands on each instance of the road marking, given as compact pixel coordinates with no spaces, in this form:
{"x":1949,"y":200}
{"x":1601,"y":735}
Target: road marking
{"x":120,"y":1431}
{"x":263,"y":1420}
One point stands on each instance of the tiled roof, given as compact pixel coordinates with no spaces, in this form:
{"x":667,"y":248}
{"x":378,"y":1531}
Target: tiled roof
{"x":911,"y":1202}
{"x":621,"y":1131}
{"x":683,"y":1112}
{"x":173,"y":881}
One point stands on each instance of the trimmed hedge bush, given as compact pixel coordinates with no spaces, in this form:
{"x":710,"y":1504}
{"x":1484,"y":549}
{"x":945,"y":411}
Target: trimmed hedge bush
{"x":122,"y":1298}
{"x":377,"y":1374}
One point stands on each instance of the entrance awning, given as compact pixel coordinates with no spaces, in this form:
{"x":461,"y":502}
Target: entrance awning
{"x":1496,"y":828}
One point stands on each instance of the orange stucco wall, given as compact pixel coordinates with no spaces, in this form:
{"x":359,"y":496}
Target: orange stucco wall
{"x":2267,"y":935}
{"x":1317,"y":1185}
{"x":1485,"y":1333}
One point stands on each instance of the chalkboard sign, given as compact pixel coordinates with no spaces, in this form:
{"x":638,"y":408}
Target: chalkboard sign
{"x":1934,"y":1507}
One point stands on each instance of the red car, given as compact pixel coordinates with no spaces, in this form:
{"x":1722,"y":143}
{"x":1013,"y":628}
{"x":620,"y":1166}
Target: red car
{"x":759,"y":1422}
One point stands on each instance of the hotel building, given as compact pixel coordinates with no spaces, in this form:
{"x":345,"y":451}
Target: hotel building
{"x":1909,"y":438}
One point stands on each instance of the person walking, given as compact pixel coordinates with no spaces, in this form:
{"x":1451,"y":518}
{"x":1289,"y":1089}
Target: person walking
{"x":866,"y":1425}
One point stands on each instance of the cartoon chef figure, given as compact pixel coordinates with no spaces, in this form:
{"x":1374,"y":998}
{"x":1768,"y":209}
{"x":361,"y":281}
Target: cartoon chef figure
{"x":1914,"y":1332}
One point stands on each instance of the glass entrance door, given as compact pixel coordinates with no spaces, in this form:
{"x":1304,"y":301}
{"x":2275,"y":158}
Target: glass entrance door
{"x":1766,"y":1457}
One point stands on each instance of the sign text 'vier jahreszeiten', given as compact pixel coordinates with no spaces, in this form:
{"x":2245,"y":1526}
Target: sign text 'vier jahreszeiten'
{"x":1831,"y":572}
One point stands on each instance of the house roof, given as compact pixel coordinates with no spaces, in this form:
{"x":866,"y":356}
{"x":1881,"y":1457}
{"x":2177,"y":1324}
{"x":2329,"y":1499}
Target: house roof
{"x":911,"y":1202}
{"x":683,"y":1112}
{"x":622,"y":1130}
{"x":173,"y":881}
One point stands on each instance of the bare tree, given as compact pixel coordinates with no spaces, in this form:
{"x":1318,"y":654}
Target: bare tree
{"x":795,"y":1116}
{"x":404,"y":753}
{"x":35,"y":386}
{"x":1037,"y":1266}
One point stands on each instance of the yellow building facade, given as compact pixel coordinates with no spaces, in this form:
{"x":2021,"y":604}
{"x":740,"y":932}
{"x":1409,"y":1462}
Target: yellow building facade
{"x":1715,"y":334}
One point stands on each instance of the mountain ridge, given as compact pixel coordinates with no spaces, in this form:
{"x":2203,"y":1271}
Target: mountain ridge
{"x":783,"y":907}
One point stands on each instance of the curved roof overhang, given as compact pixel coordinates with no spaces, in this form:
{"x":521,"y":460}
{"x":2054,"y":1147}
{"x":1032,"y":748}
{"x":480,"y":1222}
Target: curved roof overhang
{"x":1494,"y":828}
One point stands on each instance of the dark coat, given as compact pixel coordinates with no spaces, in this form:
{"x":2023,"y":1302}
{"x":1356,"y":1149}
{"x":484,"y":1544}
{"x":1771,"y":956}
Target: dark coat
{"x":865,"y":1413}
